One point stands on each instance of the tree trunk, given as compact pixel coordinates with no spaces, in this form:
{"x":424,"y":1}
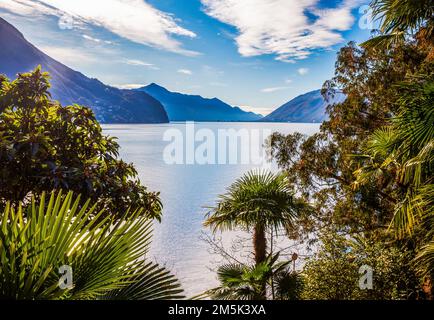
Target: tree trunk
{"x":427,"y":288}
{"x":260,"y":244}
{"x":260,"y":247}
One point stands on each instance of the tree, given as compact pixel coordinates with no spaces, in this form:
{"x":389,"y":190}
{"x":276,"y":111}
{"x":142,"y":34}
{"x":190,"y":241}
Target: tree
{"x":243,"y":282}
{"x":371,"y":162}
{"x":333,"y":272}
{"x":256,"y":201}
{"x":106,"y":257}
{"x":402,"y":155}
{"x":44,"y":146}
{"x":321,"y":166}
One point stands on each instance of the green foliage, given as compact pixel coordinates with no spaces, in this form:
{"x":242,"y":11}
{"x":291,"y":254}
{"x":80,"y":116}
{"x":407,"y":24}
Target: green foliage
{"x":256,"y":198}
{"x":257,"y":201}
{"x":287,"y":285}
{"x":242,"y":282}
{"x":239,"y":282}
{"x":106,"y":255}
{"x":369,"y":169}
{"x":322,"y":167}
{"x":44,"y":146}
{"x":333,"y":272}
{"x":402,"y":155}
{"x":425,"y":259}
{"x":399,"y":18}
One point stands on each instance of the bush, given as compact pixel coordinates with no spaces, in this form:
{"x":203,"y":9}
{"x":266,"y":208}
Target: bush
{"x":333,"y":272}
{"x":44,"y":146}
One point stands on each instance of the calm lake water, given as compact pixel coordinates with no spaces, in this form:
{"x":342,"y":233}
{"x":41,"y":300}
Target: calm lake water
{"x":186,"y":191}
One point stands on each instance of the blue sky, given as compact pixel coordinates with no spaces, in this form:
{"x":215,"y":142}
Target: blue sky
{"x":257,"y":54}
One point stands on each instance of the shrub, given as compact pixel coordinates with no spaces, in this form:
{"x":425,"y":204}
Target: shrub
{"x":333,"y":272}
{"x":44,"y":146}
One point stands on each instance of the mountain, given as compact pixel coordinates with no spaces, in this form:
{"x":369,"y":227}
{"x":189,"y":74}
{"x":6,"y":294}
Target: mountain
{"x":183,"y":107}
{"x":309,"y":107}
{"x":111,"y":105}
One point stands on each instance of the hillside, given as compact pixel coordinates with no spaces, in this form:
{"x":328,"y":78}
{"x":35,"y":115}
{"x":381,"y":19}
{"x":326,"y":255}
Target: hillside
{"x":111,"y":105}
{"x":307,"y":108}
{"x":184,"y":107}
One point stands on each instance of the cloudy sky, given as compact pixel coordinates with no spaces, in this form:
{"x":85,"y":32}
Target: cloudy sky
{"x":257,"y":54}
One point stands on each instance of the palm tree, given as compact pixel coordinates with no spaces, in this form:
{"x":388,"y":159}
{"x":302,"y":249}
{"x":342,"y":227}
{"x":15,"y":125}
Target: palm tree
{"x":401,"y":17}
{"x":240,"y":282}
{"x":243,"y":282}
{"x":107,"y":258}
{"x":256,"y":201}
{"x":402,"y":155}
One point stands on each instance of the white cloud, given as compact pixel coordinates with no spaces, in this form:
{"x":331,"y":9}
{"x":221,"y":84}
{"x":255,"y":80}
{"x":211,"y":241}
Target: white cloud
{"x":70,"y":56}
{"x":284,"y":28}
{"x":262,"y":111}
{"x":303,"y":71}
{"x":135,"y":20}
{"x":27,"y":8}
{"x":97,"y":40}
{"x":185,"y":71}
{"x":128,"y":86}
{"x":85,"y":36}
{"x":273,"y":89}
{"x":288,"y":81}
{"x":140,"y":63}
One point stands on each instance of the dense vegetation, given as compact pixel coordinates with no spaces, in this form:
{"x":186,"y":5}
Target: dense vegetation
{"x":368,"y":173}
{"x":360,"y":192}
{"x":259,"y":202}
{"x":101,"y":236}
{"x":45,"y":146}
{"x":105,"y":255}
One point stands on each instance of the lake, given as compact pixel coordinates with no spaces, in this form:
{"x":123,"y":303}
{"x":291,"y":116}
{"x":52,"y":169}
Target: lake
{"x":188,"y":187}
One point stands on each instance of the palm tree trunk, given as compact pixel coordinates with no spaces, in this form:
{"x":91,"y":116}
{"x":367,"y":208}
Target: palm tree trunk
{"x":273,"y":293}
{"x":260,"y":247}
{"x":427,"y":288}
{"x":260,"y":244}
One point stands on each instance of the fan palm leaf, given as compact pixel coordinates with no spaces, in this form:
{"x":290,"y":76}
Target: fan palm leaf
{"x":245,"y":282}
{"x":256,"y":198}
{"x":105,"y":256}
{"x":402,"y":154}
{"x":256,"y":201}
{"x":398,"y":17}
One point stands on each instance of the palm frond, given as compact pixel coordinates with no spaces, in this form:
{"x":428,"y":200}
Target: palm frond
{"x":402,"y":15}
{"x":104,"y":255}
{"x":148,"y":281}
{"x":384,"y":41}
{"x":401,"y":155}
{"x":426,"y":259}
{"x":288,"y":285}
{"x":256,"y":198}
{"x":245,"y":282}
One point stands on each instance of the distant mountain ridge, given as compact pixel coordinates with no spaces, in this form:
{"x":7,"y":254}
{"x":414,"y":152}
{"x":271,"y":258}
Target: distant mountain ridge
{"x":149,"y":104}
{"x":111,"y":105}
{"x":309,"y":107}
{"x":184,"y":107}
